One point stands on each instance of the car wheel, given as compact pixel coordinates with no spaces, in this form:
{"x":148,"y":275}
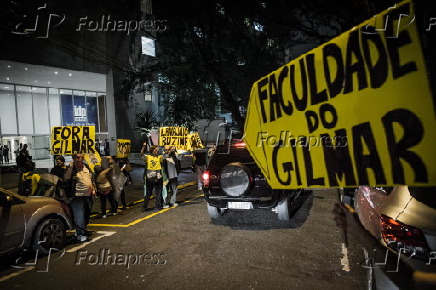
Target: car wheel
{"x":49,"y":234}
{"x":283,"y":210}
{"x":215,"y":213}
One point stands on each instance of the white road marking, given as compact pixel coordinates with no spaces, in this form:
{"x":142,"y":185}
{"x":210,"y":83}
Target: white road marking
{"x":344,"y":261}
{"x":2,"y":279}
{"x":104,"y":234}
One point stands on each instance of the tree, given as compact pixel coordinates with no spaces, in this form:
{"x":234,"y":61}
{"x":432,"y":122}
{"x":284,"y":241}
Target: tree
{"x":230,"y":44}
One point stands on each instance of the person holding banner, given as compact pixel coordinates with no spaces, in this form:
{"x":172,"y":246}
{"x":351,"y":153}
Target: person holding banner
{"x":153,"y":177}
{"x":59,"y":170}
{"x":81,"y":188}
{"x":104,"y":190}
{"x":172,"y":170}
{"x":200,"y":161}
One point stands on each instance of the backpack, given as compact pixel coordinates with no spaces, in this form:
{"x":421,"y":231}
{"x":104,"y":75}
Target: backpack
{"x":25,"y":188}
{"x":46,"y":185}
{"x":70,"y":185}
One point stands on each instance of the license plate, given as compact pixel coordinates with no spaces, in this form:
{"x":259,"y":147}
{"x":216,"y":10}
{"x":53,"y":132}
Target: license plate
{"x":239,"y":205}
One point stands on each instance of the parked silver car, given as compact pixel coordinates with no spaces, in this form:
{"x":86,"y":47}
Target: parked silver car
{"x":35,"y":222}
{"x":403,"y":219}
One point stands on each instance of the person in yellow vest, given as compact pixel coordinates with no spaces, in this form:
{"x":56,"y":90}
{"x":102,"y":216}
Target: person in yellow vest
{"x":153,"y":177}
{"x":29,"y":180}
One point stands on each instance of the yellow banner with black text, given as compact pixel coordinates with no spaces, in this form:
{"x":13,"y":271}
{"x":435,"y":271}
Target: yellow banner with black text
{"x":69,"y":140}
{"x":123,"y":148}
{"x":354,"y":111}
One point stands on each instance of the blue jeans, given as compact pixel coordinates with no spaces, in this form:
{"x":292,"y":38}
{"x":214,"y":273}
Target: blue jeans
{"x":172,"y":184}
{"x":148,"y":189}
{"x":81,"y":206}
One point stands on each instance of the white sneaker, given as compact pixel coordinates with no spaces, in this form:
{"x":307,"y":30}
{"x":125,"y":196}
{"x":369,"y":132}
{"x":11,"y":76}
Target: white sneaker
{"x":166,"y":206}
{"x":82,"y":238}
{"x":175,"y":204}
{"x":103,"y":216}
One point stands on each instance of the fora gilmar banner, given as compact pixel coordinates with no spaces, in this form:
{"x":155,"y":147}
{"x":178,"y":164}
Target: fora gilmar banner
{"x":173,"y":136}
{"x":123,"y":148}
{"x":354,"y":111}
{"x":69,"y":140}
{"x":194,"y":142}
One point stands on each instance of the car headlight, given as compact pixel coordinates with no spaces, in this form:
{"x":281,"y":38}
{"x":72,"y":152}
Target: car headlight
{"x":235,"y":179}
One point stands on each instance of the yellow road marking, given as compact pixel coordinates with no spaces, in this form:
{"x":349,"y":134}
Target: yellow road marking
{"x":108,"y":225}
{"x":144,"y":218}
{"x":142,"y":200}
{"x":2,"y":279}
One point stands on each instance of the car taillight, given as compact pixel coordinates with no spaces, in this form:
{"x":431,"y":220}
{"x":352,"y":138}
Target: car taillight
{"x":240,"y":144}
{"x":206,"y":178}
{"x":407,"y":239}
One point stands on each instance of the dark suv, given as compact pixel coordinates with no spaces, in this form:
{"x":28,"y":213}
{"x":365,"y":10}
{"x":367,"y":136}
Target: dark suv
{"x":233,"y":181}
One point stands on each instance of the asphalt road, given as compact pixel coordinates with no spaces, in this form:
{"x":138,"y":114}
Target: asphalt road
{"x":181,"y":248}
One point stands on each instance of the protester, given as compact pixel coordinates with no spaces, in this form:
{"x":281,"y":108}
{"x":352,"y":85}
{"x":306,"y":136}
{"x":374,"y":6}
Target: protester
{"x":153,"y":177}
{"x":172,"y":170}
{"x":81,"y":188}
{"x":59,"y":170}
{"x":97,"y":146}
{"x":23,"y":157}
{"x":117,"y":180}
{"x":106,"y":147}
{"x":6,"y":153}
{"x":199,"y":163}
{"x":210,"y":153}
{"x":24,"y":150}
{"x":29,"y":180}
{"x":124,"y":165}
{"x":104,"y":190}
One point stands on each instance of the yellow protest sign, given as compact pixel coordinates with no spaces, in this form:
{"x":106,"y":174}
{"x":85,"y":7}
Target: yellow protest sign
{"x":194,"y":142}
{"x":354,"y":111}
{"x":123,"y":148}
{"x":69,"y":140}
{"x":92,"y":160}
{"x":173,"y":136}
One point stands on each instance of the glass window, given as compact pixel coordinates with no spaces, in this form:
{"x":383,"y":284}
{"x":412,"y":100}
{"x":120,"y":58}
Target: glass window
{"x":25,"y":114}
{"x":80,"y":116}
{"x":102,"y":112}
{"x":67,"y":107}
{"x":55,"y":107}
{"x":8,"y":117}
{"x":91,"y":109}
{"x":40,"y":111}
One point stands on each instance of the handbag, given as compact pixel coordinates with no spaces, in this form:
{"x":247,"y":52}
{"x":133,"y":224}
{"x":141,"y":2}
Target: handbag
{"x":128,"y":167}
{"x":153,"y":176}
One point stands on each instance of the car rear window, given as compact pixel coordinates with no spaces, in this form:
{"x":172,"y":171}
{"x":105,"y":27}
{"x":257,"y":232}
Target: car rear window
{"x":426,"y":195}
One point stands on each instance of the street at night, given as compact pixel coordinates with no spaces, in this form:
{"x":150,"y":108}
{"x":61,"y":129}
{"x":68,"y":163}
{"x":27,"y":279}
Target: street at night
{"x":182,"y":248}
{"x":251,"y":144}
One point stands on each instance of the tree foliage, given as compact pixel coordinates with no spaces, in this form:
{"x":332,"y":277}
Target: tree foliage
{"x":227,"y":45}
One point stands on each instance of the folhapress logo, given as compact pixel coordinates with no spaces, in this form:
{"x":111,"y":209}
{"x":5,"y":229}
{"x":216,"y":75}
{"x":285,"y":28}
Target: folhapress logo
{"x":41,"y":25}
{"x":80,"y":114}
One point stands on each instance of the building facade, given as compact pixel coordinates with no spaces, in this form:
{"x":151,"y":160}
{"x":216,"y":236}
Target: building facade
{"x":62,"y":64}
